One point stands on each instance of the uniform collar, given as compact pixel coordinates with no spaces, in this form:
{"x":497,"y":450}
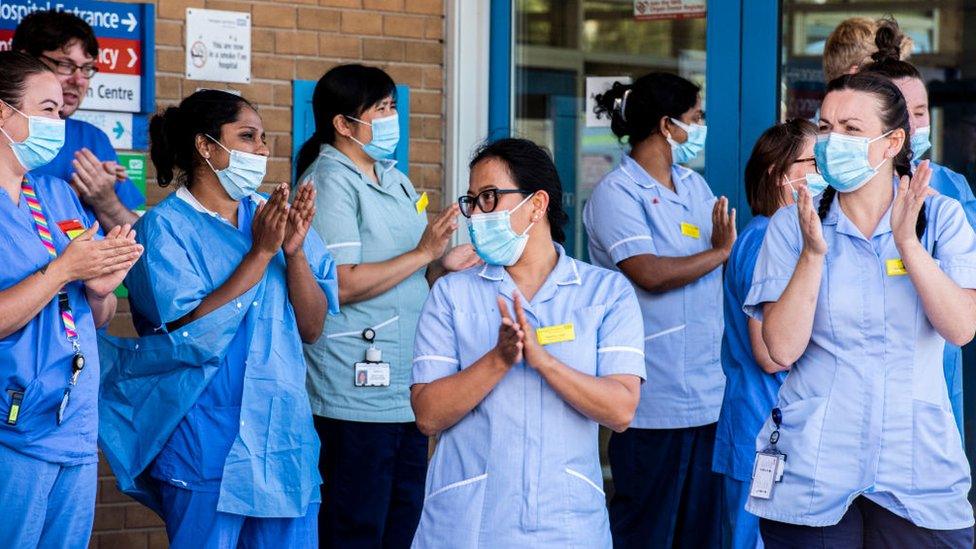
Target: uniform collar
{"x":836,"y":216}
{"x":566,"y":273}
{"x":679,"y":175}
{"x":328,"y":151}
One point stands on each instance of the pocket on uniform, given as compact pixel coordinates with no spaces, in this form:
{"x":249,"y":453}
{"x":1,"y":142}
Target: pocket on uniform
{"x":20,"y":408}
{"x":939,"y":464}
{"x":453,"y":512}
{"x":666,"y":378}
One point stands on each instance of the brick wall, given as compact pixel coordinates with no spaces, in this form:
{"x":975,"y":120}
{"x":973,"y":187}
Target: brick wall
{"x":296,"y":39}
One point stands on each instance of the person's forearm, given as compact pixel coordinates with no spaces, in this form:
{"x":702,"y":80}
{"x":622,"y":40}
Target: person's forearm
{"x":440,"y":404}
{"x":610,"y":401}
{"x":20,"y":303}
{"x":112,"y":212}
{"x":435,"y":270}
{"x":788,"y":322}
{"x":950,"y":309}
{"x":102,"y":308}
{"x":306,"y":297}
{"x":368,"y":280}
{"x":759,"y":351}
{"x":658,"y":274}
{"x":245,"y":276}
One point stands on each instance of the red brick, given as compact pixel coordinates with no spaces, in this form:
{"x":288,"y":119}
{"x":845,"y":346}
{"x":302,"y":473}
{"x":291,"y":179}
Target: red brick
{"x":158,"y":540}
{"x":341,"y":3}
{"x":109,"y":517}
{"x":282,"y":95}
{"x":424,"y":102}
{"x":402,"y":74}
{"x":169,"y":87}
{"x":272,"y":67}
{"x":108,"y":493}
{"x":282,"y":146}
{"x":405,"y":26}
{"x":289,"y":42}
{"x":358,"y":22}
{"x":123,"y":540}
{"x":170,"y":60}
{"x":425,"y":52}
{"x":425,"y":151}
{"x":229,"y":5}
{"x":276,"y":120}
{"x":340,"y":46}
{"x":262,"y":41}
{"x":318,"y":19}
{"x":381,"y":49}
{"x":311,"y":69}
{"x":259,"y":93}
{"x":432,"y":7}
{"x":278,"y":170}
{"x":139,"y":516}
{"x":176,"y":9}
{"x":274,"y":15}
{"x":384,"y":5}
{"x":433,"y":78}
{"x":169,"y":33}
{"x":434,"y":128}
{"x":434,"y":28}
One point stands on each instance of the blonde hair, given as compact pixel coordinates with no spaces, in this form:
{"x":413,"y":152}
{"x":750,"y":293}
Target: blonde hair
{"x":851,"y":45}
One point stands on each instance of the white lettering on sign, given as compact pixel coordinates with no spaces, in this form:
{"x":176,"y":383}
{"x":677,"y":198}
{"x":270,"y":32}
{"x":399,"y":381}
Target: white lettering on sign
{"x":218,"y":46}
{"x":95,"y":18}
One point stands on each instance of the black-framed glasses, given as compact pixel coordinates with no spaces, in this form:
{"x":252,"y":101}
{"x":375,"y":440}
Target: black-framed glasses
{"x":808,"y":160}
{"x":486,"y":200}
{"x":66,"y":67}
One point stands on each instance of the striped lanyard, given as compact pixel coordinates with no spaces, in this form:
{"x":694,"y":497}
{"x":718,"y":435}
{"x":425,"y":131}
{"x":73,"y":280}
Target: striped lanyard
{"x":44,"y":232}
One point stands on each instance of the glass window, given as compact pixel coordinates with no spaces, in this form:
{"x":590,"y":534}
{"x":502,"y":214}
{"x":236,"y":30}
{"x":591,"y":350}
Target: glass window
{"x":559,"y":43}
{"x":944,"y":36}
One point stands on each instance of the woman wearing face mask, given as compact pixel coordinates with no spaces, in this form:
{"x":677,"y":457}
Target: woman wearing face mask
{"x":860,"y":294}
{"x":206,"y":418}
{"x":55,"y":289}
{"x":945,"y":181}
{"x":375,"y":224}
{"x":781,"y":162}
{"x":660,"y":225}
{"x":517,"y":410}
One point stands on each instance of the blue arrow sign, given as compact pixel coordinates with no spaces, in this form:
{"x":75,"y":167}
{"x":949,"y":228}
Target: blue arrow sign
{"x":118,"y":130}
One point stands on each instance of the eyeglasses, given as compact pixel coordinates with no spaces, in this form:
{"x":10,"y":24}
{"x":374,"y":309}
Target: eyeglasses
{"x":808,"y":160}
{"x":486,"y":200}
{"x":67,"y":67}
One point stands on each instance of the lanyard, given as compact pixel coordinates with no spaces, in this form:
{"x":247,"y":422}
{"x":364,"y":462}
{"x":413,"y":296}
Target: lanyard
{"x":44,"y":233}
{"x":64,"y":306}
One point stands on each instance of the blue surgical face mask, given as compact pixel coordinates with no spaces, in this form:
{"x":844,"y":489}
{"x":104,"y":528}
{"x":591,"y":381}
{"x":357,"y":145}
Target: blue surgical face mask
{"x":682,"y":153}
{"x":921,"y":142}
{"x":386,"y":136}
{"x":45,"y":137}
{"x":814,"y":181}
{"x":243,"y":174}
{"x":843,"y":160}
{"x":494,"y":239}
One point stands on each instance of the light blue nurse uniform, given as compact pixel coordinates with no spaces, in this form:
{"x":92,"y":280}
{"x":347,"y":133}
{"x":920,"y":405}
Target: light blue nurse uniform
{"x":865,"y":408}
{"x":631,"y":214}
{"x":523,"y":468}
{"x":954,"y":185}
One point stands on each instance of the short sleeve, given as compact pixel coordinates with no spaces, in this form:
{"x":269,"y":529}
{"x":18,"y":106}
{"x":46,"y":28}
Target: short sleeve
{"x":163,"y":285}
{"x":129,"y":195}
{"x":955,"y":244}
{"x":620,"y":338}
{"x":323,"y":268}
{"x":435,"y":347}
{"x":778,"y":256}
{"x":337,"y":214}
{"x":616,"y":222}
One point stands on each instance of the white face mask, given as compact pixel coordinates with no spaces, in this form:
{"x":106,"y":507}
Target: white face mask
{"x":243,"y":174}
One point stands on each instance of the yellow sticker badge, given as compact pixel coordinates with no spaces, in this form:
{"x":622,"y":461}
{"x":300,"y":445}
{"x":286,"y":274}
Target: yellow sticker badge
{"x":689,"y":230}
{"x":422,"y":203}
{"x":895,"y":267}
{"x":555,"y":334}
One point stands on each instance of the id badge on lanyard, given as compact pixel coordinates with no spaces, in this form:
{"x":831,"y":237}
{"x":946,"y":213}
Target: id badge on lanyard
{"x":770,"y":464}
{"x":42,"y":227}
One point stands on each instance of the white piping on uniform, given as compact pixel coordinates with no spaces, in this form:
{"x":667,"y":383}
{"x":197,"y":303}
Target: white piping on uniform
{"x":458,"y":484}
{"x":360,"y":332}
{"x":343,"y":245}
{"x":436,"y":358}
{"x":626,"y":240}
{"x":620,"y":349}
{"x":664,"y":332}
{"x":582,"y":477}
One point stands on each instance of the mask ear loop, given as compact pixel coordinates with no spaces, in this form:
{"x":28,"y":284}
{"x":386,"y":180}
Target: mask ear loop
{"x":221,"y":145}
{"x":527,"y":229}
{"x":16,"y":110}
{"x":354,"y":119}
{"x":885,"y":159}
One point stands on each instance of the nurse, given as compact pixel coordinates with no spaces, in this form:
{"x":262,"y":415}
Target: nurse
{"x":517,"y":408}
{"x":945,"y":181}
{"x":55,"y":289}
{"x":221,"y":444}
{"x":860,"y":293}
{"x":659,"y":224}
{"x":375,"y":224}
{"x":782,"y":161}
{"x":67,"y":44}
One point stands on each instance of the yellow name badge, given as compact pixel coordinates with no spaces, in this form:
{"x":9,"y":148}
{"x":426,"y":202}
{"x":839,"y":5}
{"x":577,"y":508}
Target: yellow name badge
{"x":895,"y":267}
{"x":422,"y":203}
{"x":555,"y":334}
{"x":689,"y":230}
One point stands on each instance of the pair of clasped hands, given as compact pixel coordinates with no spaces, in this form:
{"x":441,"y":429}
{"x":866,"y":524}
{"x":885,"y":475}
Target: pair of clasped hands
{"x":101,"y":264}
{"x":517,"y":338}
{"x":278,"y":225}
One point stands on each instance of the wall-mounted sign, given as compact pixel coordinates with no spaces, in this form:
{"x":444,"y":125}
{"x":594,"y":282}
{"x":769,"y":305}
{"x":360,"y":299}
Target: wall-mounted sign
{"x":126,"y":45}
{"x":125,"y":130}
{"x":218,"y":45}
{"x":668,"y":9}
